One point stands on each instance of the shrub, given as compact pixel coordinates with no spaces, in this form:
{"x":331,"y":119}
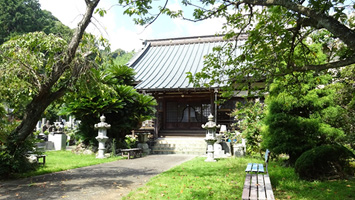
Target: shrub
{"x":301,"y":116}
{"x":323,"y":162}
{"x":250,"y":115}
{"x":14,"y":160}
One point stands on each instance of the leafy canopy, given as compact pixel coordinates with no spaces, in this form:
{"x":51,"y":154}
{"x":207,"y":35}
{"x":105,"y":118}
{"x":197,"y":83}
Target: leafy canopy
{"x":27,"y":64}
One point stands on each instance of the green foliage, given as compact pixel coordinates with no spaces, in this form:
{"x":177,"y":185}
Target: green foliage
{"x":28,"y":62}
{"x":250,"y":116}
{"x":122,"y":57}
{"x":13,"y":159}
{"x":25,"y":63}
{"x":107,"y":92}
{"x":130,"y":141}
{"x":3,"y":133}
{"x":345,"y":97}
{"x":301,"y":115}
{"x":138,"y":8}
{"x":113,"y":148}
{"x":324,"y":161}
{"x":23,"y":16}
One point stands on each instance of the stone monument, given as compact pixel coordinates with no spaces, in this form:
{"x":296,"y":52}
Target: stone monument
{"x":102,"y":138}
{"x":57,"y":136}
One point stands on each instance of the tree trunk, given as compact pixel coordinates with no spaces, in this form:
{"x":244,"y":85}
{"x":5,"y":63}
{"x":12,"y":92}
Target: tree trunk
{"x":33,"y":113}
{"x":45,"y":97}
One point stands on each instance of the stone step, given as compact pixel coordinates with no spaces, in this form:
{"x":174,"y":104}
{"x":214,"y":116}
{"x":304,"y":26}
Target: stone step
{"x":180,"y":145}
{"x":180,"y":141}
{"x":195,"y":146}
{"x":179,"y":152}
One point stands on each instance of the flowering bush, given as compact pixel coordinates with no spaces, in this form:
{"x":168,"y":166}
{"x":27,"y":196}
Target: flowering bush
{"x":130,"y":141}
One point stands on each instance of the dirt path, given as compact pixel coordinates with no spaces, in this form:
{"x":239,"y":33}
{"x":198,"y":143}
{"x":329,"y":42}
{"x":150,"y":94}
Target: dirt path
{"x":105,"y":181}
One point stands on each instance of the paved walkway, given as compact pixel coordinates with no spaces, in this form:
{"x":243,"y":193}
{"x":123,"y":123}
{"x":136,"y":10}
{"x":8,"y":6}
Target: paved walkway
{"x":105,"y":181}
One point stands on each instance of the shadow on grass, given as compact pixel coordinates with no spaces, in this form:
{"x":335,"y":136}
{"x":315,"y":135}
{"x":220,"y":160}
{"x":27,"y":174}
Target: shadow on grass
{"x":287,"y":185}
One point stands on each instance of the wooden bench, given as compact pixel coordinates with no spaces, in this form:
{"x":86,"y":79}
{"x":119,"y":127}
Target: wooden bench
{"x":257,"y":183}
{"x":132,"y":152}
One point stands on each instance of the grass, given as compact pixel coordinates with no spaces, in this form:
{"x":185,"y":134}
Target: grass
{"x":224,"y":179}
{"x":63,"y":160}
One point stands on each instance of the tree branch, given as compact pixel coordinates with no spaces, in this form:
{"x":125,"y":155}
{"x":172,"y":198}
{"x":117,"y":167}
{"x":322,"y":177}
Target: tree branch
{"x":344,"y":33}
{"x":331,"y":65}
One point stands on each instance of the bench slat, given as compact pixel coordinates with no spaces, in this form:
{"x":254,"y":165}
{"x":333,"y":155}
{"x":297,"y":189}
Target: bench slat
{"x":261,"y":187}
{"x":261,"y":168}
{"x":253,"y":187}
{"x":248,"y":169}
{"x":255,"y":167}
{"x":269,"y":193}
{"x":246,"y":188}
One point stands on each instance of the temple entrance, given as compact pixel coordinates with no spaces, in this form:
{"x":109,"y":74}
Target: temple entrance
{"x":188,"y":115}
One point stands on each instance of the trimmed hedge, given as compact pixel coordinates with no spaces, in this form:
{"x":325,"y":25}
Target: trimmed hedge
{"x":323,"y":162}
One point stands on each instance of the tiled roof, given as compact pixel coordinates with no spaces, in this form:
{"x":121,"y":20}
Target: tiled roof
{"x":163,"y":64}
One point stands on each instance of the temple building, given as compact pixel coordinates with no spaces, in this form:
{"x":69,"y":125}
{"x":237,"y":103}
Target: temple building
{"x":162,"y":68}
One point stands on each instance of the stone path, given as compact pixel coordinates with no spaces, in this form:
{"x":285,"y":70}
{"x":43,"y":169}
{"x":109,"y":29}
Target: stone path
{"x":105,"y":181}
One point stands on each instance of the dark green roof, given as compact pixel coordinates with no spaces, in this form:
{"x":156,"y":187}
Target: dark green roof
{"x":163,"y":64}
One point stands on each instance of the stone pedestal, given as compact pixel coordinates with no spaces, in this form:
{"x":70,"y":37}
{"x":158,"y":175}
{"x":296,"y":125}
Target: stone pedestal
{"x":218,"y":151}
{"x":59,"y":140}
{"x":47,"y":145}
{"x":239,"y":150}
{"x":101,"y":149}
{"x":210,"y":150}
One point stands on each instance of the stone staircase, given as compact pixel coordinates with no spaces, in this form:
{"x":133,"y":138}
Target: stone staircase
{"x":180,"y":145}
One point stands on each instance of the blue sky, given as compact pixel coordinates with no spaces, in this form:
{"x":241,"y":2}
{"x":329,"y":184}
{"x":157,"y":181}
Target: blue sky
{"x":120,"y":29}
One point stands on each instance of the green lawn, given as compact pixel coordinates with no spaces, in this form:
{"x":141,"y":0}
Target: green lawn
{"x":64,"y":160}
{"x":224,"y":179}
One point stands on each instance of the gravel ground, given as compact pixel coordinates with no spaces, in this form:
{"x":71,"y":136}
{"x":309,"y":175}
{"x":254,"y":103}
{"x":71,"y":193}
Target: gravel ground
{"x":105,"y":181}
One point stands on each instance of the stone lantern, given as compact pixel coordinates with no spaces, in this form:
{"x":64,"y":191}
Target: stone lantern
{"x":142,"y":142}
{"x":211,"y":128}
{"x":102,"y":138}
